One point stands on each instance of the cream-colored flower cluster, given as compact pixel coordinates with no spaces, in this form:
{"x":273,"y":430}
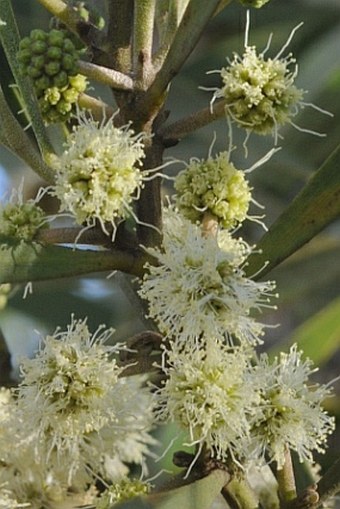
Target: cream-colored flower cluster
{"x":213,"y":185}
{"x":259,"y":93}
{"x":99,"y":173}
{"x":74,"y":417}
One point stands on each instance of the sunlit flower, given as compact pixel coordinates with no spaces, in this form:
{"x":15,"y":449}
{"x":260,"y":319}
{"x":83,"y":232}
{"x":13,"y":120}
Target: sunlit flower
{"x":292,"y":415}
{"x":98,"y":175}
{"x":213,"y":185}
{"x":199,"y":286}
{"x":208,"y":393}
{"x":77,"y":408}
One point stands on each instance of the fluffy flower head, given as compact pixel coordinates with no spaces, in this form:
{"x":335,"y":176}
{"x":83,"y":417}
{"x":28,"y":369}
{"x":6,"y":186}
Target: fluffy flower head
{"x":260,"y":93}
{"x":216,"y":186}
{"x":292,"y":413}
{"x":207,"y":392}
{"x":78,"y":409}
{"x":199,"y":286}
{"x":98,"y":174}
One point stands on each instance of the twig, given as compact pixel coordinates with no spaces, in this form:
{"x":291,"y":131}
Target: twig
{"x":197,"y":15}
{"x":120,"y":14}
{"x":143,"y":40}
{"x":110,"y":77}
{"x":172,"y":133}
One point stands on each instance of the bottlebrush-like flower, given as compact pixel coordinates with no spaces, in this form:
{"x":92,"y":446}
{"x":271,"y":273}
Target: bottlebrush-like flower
{"x":292,"y":415}
{"x":207,"y":392}
{"x":98,"y":175}
{"x":216,"y":186}
{"x":199,"y":286}
{"x":74,"y":404}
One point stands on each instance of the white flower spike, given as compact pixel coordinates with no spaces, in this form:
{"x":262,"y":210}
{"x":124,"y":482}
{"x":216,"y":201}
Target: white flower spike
{"x":199,"y":286}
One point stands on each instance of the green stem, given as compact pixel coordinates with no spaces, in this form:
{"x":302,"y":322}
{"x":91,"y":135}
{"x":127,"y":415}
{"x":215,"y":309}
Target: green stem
{"x":19,"y":143}
{"x":329,"y":484}
{"x":196,"y":17}
{"x":172,"y":133}
{"x":239,"y":495}
{"x":286,"y":479}
{"x":120,"y":21}
{"x":9,"y":36}
{"x":173,"y":14}
{"x":144,"y":19}
{"x":98,"y":108}
{"x":106,"y":76}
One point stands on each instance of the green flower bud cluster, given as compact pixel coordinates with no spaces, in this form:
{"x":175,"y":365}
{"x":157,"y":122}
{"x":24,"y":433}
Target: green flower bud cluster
{"x":254,"y":3}
{"x":50,"y":60}
{"x":216,"y":186}
{"x":21,"y":221}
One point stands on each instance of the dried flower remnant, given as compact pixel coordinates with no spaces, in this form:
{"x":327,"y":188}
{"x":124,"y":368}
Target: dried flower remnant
{"x":98,"y":175}
{"x":292,"y":415}
{"x":199,"y":286}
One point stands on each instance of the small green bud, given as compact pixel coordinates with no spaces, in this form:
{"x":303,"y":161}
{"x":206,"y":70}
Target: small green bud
{"x":41,"y":84}
{"x":60,"y":80}
{"x":25,"y":43}
{"x":56,"y":38}
{"x":52,"y":68}
{"x":38,"y":61}
{"x":38,"y":47}
{"x":69,"y":63}
{"x":78,"y":82}
{"x":38,"y":35}
{"x":33,"y":72}
{"x":24,"y":56}
{"x":68,"y":46}
{"x":64,"y":107}
{"x":54,"y":53}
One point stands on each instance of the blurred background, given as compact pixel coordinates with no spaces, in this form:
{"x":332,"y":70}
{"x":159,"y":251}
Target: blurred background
{"x":309,"y":281}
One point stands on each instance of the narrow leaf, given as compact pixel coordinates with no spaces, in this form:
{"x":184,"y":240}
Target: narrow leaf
{"x":313,"y":208}
{"x":34,"y":262}
{"x":319,"y":337}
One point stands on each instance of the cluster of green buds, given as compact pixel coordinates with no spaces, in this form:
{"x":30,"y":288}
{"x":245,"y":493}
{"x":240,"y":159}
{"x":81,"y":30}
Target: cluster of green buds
{"x":122,"y":490}
{"x":50,"y":60}
{"x":22,"y":221}
{"x":213,"y":185}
